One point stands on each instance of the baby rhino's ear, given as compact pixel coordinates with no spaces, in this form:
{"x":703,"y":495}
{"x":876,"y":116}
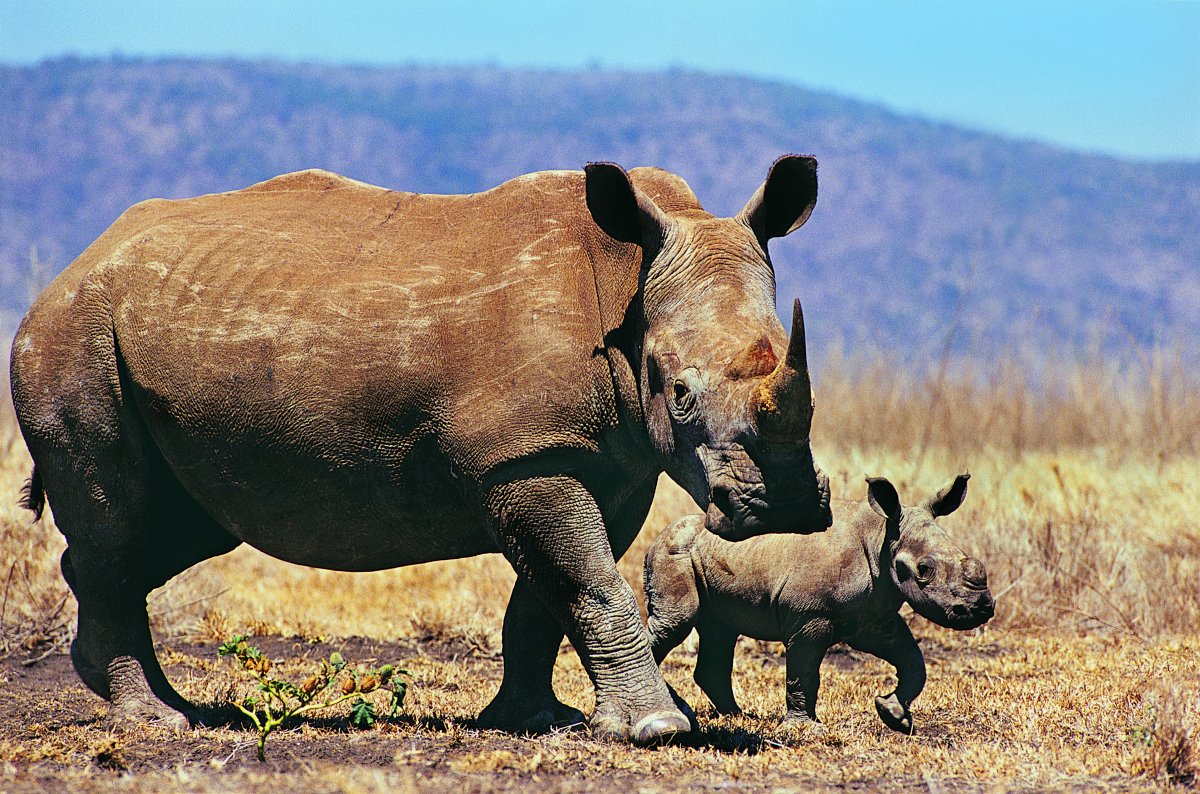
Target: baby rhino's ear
{"x":883,"y":498}
{"x":947,"y":500}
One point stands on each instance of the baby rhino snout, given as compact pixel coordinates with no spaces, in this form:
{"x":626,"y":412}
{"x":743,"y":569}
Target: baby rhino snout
{"x":972,"y":603}
{"x":974,"y":574}
{"x":975,"y":606}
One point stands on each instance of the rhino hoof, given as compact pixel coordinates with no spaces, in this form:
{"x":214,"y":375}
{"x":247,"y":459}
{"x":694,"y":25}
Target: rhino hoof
{"x":659,"y":728}
{"x":133,"y":704}
{"x":684,"y":708}
{"x":142,"y":715}
{"x":548,"y":717}
{"x":656,"y":728}
{"x":894,"y":714}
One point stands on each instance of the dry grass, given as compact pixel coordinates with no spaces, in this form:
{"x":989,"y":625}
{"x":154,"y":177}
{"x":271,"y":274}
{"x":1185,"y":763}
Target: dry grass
{"x":1141,"y":402}
{"x":1083,"y":504}
{"x":36,"y":610}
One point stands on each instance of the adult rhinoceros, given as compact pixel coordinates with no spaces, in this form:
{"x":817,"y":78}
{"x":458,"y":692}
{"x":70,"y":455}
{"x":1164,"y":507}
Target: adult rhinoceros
{"x":353,"y":378}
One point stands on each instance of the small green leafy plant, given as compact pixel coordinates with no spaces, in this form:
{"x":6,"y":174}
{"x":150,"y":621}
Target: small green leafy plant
{"x":1163,"y":744}
{"x":333,"y":683}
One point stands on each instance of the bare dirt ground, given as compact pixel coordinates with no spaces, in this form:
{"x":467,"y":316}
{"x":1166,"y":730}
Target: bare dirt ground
{"x":1088,"y":678}
{"x":1000,"y":713}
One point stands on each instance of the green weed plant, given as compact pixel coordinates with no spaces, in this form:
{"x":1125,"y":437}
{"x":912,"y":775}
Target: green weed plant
{"x":334,"y":682}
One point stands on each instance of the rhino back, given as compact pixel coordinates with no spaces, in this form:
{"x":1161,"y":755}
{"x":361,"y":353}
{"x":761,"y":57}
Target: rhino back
{"x":766,"y":586}
{"x":343,"y":334}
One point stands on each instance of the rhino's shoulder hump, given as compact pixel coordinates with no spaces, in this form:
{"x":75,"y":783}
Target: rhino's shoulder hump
{"x":309,"y":180}
{"x":680,"y":537}
{"x":550,"y":186}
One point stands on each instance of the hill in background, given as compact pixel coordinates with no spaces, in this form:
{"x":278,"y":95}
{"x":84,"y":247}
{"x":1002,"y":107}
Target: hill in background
{"x":923,"y":232}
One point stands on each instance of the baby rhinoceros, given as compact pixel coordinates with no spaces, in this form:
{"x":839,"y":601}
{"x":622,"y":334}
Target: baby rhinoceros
{"x":810,"y":592}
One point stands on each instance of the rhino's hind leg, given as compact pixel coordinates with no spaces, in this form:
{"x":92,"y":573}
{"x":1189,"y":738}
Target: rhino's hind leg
{"x":113,"y":652}
{"x":130,"y":526}
{"x":111,"y":571}
{"x":714,"y":665}
{"x":526,"y":702}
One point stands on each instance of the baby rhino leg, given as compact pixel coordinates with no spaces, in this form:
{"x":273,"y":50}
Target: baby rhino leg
{"x":672,"y":601}
{"x":714,"y":665}
{"x":892,"y":641}
{"x":803,"y":679}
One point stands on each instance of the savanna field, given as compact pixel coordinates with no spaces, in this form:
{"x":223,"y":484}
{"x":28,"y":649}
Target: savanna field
{"x":1084,"y":504}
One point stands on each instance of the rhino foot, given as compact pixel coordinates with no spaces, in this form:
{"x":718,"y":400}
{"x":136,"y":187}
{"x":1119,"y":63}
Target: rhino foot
{"x":802,"y":725}
{"x":133,"y":704}
{"x":523,"y":716}
{"x":685,"y":708}
{"x":894,"y":714}
{"x":648,"y":730}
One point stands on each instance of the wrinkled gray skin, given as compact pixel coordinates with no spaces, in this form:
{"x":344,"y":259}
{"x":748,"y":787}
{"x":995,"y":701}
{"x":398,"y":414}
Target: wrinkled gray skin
{"x":355,"y":378}
{"x":843,"y":585}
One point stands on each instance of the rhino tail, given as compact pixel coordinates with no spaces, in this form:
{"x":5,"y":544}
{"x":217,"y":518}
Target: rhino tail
{"x":33,"y":494}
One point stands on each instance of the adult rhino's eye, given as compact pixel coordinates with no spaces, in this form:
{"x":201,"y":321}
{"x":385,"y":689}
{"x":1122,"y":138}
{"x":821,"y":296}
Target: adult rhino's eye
{"x":683,"y":401}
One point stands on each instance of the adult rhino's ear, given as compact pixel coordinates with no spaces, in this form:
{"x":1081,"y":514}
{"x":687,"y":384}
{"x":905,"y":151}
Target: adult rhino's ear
{"x":783,"y":202}
{"x":882,"y":497}
{"x":620,"y":209}
{"x":947,"y":500}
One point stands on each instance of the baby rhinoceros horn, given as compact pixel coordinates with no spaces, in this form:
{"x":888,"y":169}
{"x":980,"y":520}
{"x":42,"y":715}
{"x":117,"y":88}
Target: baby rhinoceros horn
{"x":785,"y":399}
{"x":974,"y":574}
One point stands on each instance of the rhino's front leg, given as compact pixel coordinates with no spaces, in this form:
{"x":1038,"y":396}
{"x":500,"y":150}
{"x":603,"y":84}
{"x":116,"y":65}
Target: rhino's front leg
{"x":804,"y":655}
{"x":892,"y":641}
{"x":554,"y":535}
{"x":526,"y":702}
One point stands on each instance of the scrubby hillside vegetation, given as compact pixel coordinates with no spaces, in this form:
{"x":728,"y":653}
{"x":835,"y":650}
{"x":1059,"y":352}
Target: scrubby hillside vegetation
{"x":921,"y":229}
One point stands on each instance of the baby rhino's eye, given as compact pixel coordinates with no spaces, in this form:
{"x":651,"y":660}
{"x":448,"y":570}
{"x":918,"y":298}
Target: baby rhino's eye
{"x":681,"y":394}
{"x":925,"y":570}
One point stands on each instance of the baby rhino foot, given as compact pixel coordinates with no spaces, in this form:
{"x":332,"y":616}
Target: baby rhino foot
{"x":797,"y":730}
{"x":894,"y":714}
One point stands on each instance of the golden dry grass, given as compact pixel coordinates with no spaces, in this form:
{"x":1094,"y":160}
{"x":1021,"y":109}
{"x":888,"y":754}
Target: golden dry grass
{"x":1083,"y":503}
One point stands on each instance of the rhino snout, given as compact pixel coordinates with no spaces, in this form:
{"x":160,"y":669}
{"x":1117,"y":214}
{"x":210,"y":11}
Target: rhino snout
{"x":970,"y":615}
{"x":738,"y":513}
{"x":974,"y":574}
{"x":741,"y":508}
{"x":970,"y":611}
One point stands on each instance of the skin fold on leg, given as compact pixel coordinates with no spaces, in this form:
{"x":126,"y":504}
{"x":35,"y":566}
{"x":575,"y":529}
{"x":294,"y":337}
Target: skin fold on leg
{"x":554,"y":535}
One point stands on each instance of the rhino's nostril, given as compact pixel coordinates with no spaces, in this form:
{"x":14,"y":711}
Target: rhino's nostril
{"x":721,"y":498}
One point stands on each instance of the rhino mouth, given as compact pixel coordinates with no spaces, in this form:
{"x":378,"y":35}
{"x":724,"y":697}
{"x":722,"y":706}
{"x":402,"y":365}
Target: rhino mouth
{"x":736,"y":513}
{"x":964,"y":616}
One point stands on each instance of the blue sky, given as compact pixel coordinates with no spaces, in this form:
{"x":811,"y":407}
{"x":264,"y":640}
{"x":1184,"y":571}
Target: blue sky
{"x":1113,"y":76}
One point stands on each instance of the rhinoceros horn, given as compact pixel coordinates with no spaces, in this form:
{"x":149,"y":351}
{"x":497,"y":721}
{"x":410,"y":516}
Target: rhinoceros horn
{"x":785,"y":399}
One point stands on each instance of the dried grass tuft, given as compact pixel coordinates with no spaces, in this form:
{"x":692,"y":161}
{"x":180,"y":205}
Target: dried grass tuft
{"x":1163,"y":736}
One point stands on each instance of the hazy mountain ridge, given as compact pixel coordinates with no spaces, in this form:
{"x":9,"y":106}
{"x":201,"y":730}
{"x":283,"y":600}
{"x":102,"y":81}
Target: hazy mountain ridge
{"x":915,"y":219}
